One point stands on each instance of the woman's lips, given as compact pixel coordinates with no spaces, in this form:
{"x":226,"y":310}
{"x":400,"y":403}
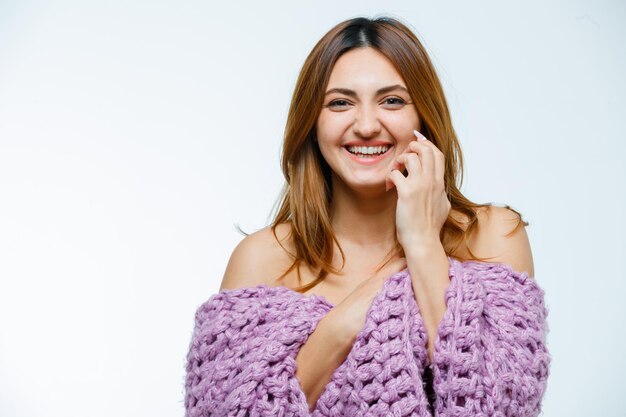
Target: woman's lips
{"x":370,"y":160}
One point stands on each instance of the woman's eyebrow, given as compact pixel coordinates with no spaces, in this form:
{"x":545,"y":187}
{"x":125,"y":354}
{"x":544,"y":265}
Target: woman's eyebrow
{"x":352,"y":93}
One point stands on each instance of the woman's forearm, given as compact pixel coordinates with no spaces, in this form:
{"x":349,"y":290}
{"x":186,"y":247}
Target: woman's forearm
{"x":319,"y":357}
{"x":428,"y":266}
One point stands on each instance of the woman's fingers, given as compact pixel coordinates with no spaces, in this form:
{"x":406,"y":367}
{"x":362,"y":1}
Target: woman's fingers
{"x":439,"y":160}
{"x":426,"y":157}
{"x":394,"y":178}
{"x":412,"y":162}
{"x":420,"y":156}
{"x":400,"y":166}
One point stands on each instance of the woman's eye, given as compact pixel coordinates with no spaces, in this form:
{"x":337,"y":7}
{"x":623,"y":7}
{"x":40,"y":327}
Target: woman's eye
{"x":336,"y":103}
{"x":398,"y":101}
{"x":394,"y":101}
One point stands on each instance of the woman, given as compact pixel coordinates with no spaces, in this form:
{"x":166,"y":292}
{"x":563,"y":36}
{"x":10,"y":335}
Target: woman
{"x":372,"y":205}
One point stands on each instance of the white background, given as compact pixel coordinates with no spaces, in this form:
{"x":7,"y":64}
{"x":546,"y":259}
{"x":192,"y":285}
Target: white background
{"x":134,"y":136}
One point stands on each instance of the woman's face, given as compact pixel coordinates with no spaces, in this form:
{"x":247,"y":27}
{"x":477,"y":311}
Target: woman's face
{"x":366,"y":104}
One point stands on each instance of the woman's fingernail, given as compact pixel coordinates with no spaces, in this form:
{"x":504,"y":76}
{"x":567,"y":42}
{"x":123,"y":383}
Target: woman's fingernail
{"x":419,"y":135}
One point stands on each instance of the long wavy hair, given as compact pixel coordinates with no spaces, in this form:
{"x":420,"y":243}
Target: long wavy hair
{"x":304,"y":202}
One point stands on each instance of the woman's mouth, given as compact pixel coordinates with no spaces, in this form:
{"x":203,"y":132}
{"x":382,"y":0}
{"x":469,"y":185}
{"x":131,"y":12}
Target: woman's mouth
{"x":367,"y":155}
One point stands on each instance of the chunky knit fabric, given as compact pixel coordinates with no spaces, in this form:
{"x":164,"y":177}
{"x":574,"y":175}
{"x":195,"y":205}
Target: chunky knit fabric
{"x":490,"y":355}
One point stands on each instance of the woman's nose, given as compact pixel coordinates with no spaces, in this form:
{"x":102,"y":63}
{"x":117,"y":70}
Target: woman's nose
{"x":366,"y":121}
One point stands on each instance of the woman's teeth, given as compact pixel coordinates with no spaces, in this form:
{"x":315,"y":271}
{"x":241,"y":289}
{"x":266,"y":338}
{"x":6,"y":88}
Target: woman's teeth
{"x":368,"y":151}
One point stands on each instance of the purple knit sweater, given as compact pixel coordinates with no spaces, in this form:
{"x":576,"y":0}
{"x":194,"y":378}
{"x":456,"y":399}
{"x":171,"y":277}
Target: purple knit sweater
{"x":490,"y":355}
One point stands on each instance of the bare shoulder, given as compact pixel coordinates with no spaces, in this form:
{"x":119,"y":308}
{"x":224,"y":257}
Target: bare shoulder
{"x":501,"y":237}
{"x":258,"y":259}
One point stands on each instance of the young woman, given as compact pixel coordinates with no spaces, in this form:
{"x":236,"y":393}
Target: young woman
{"x":373,"y":168}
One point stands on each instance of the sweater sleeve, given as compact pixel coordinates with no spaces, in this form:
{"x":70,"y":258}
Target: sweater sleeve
{"x":241,"y":359}
{"x":490,"y":352}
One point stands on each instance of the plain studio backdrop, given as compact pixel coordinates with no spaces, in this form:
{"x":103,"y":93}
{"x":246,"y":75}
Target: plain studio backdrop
{"x":134,"y":136}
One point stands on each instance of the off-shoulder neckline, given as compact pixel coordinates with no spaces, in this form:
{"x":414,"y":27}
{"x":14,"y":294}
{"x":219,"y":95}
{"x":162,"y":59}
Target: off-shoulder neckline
{"x":452,"y":262}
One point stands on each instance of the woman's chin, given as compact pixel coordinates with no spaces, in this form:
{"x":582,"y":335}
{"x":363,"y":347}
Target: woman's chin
{"x":367,"y":186}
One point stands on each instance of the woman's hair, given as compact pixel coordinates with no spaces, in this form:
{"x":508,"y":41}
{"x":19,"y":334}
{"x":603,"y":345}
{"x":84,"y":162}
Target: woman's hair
{"x":305,"y":198}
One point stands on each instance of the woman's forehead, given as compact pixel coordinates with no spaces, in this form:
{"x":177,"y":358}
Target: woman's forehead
{"x":363,"y":70}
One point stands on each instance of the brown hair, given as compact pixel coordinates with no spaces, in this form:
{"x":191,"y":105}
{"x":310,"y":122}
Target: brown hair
{"x":307,"y":193}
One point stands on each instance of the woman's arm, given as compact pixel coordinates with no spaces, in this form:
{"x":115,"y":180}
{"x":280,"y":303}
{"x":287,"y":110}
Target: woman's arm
{"x":319,"y":357}
{"x":331,"y":342}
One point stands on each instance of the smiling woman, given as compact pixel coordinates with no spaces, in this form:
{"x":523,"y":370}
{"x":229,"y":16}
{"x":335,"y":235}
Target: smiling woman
{"x":370,"y":293}
{"x":360,"y":119}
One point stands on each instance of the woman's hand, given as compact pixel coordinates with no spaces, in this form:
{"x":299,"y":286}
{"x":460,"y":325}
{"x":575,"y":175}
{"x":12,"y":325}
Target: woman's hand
{"x":348,"y":317}
{"x":423,"y":205}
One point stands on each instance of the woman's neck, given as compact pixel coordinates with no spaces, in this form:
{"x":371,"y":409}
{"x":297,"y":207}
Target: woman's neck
{"x":364,"y":218}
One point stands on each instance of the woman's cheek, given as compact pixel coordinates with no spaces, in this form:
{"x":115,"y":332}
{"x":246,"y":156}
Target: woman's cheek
{"x":400,"y":127}
{"x":333,"y":122}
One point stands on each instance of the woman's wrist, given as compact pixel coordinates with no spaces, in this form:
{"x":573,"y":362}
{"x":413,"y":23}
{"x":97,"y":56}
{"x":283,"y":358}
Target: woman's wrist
{"x":339,"y":333}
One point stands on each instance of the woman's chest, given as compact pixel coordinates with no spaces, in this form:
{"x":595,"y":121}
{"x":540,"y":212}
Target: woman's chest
{"x":335,"y":287}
